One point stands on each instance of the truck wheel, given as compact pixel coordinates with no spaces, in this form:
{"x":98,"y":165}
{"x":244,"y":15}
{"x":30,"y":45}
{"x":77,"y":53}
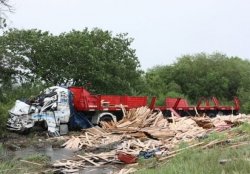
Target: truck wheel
{"x":25,"y":131}
{"x":211,"y":114}
{"x":106,"y":118}
{"x":44,"y":125}
{"x":64,"y":129}
{"x":220,"y":113}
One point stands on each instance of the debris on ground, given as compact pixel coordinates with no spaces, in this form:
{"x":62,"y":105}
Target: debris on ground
{"x":142,"y":133}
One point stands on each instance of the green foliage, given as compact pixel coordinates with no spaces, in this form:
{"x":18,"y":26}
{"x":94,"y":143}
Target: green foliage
{"x":183,"y":144}
{"x":215,"y":136}
{"x":202,"y":75}
{"x":77,"y":58}
{"x":148,"y":163}
{"x":243,"y":128}
{"x":38,"y":158}
{"x":17,"y":166}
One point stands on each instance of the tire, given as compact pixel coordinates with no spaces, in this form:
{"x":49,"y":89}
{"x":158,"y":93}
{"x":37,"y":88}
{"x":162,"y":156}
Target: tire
{"x":64,"y":129}
{"x":220,"y":113}
{"x":106,"y":118}
{"x":211,"y":115}
{"x":25,"y":131}
{"x":44,"y":125}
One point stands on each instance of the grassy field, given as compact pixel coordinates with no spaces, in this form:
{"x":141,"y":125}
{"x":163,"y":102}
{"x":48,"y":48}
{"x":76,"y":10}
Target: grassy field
{"x":219,"y":159}
{"x":29,"y":164}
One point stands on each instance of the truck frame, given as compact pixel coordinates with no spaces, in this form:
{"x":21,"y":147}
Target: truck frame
{"x":205,"y":106}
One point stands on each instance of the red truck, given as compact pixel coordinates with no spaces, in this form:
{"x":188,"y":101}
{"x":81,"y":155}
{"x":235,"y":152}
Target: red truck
{"x":107,"y":107}
{"x":58,"y":108}
{"x":104,"y":107}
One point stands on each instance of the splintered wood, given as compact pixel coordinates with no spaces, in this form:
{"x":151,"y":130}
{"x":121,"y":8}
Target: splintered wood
{"x":81,"y":161}
{"x":138,"y":118}
{"x":139,"y":130}
{"x":92,"y":137}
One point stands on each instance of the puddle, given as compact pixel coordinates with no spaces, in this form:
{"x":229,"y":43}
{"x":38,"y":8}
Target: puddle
{"x":53,"y":153}
{"x":58,"y":154}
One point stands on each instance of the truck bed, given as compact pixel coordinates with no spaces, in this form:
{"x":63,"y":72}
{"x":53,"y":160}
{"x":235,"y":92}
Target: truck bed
{"x":84,"y":101}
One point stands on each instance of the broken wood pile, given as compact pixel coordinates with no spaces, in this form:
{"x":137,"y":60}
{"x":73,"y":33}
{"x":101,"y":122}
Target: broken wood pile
{"x":221,"y":122}
{"x":140,"y":130}
{"x":156,"y":126}
{"x":138,"y":118}
{"x":88,"y":159}
{"x":92,"y":137}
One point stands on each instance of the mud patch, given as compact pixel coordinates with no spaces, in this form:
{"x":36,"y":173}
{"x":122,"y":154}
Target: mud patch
{"x":52,"y":153}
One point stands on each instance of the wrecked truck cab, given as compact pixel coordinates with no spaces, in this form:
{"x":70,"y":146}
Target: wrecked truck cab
{"x":19,"y":118}
{"x":50,"y":107}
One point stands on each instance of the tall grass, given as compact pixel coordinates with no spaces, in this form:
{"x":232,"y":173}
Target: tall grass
{"x":16,"y":166}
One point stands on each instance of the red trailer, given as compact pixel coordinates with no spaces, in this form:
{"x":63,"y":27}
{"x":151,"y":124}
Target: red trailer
{"x":112,"y":107}
{"x":210,"y":107}
{"x":104,"y":107}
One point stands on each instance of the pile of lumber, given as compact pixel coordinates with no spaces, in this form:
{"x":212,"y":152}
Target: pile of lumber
{"x":138,"y":118}
{"x":141,"y":129}
{"x":81,"y":161}
{"x":220,"y":122}
{"x":92,"y":137}
{"x":156,"y":126}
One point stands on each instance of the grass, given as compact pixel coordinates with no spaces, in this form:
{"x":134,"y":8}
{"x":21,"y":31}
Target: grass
{"x":243,"y":128}
{"x":10,"y":165}
{"x":38,"y":158}
{"x":206,"y":162}
{"x":215,"y":136}
{"x":20,"y":166}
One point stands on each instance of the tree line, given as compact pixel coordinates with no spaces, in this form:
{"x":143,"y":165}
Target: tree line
{"x":107,"y":64}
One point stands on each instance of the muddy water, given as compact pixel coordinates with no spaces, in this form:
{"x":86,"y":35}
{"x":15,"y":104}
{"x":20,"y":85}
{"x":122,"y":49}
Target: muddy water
{"x":57,"y":154}
{"x":53,"y":153}
{"x":61,"y":153}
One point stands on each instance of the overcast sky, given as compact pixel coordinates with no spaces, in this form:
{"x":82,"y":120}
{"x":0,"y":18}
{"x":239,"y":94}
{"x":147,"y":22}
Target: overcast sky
{"x":163,"y":30}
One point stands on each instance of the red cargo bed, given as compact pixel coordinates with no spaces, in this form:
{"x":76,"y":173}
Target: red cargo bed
{"x":84,"y":101}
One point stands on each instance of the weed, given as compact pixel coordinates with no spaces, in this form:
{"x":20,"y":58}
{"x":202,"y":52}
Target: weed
{"x":215,"y":136}
{"x":243,"y":128}
{"x":148,"y":163}
{"x":206,"y":162}
{"x":38,"y":158}
{"x":183,"y":144}
{"x":16,"y":166}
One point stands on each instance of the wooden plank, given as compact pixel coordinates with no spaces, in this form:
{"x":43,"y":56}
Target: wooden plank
{"x":90,"y":161}
{"x":169,"y":156}
{"x":31,"y":162}
{"x":87,"y":138}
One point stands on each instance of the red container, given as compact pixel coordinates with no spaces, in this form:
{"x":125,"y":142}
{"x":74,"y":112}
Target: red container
{"x":126,"y":158}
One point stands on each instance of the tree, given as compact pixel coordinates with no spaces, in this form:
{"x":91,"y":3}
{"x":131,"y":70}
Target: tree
{"x":160,"y":83}
{"x":203,"y":75}
{"x":78,"y":58}
{"x":4,"y":6}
